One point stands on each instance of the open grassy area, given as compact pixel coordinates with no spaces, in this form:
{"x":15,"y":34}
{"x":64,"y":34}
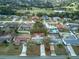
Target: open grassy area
{"x":76,"y":49}
{"x":37,"y":10}
{"x":60,"y":50}
{"x":9,"y":50}
{"x":43,"y":10}
{"x":64,"y":30}
{"x":13,"y":50}
{"x":3,"y":49}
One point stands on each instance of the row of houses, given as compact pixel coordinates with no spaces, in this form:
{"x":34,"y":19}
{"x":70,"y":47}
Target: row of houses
{"x":24,"y":28}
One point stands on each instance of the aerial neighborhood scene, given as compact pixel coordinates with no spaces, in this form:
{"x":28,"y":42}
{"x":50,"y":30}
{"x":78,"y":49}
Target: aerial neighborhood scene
{"x":39,"y":28}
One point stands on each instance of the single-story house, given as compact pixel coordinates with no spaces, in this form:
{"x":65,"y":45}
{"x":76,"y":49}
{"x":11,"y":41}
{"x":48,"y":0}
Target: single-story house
{"x":12,"y":25}
{"x":53,"y":29}
{"x":6,"y":38}
{"x":56,"y":18}
{"x":35,"y":17}
{"x":24,"y":28}
{"x":38,"y":37}
{"x":60,"y":26}
{"x":22,"y":38}
{"x":73,"y":26}
{"x":71,"y":40}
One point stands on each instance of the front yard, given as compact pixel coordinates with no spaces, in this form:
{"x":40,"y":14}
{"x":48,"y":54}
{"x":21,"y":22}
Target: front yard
{"x":33,"y":49}
{"x":9,"y":50}
{"x":47,"y":47}
{"x":3,"y":49}
{"x":47,"y":50}
{"x":76,"y":49}
{"x":60,"y":50}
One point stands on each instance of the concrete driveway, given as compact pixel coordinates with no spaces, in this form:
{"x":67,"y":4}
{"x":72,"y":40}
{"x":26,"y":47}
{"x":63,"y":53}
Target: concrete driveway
{"x":24,"y":49}
{"x":42,"y":50}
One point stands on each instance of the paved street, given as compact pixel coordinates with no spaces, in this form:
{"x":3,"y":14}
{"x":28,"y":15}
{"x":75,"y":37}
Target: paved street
{"x":46,"y":57}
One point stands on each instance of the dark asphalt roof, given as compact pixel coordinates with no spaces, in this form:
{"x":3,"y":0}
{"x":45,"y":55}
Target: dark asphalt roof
{"x":3,"y":38}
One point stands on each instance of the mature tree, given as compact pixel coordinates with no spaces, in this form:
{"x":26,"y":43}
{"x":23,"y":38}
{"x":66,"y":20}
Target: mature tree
{"x":39,"y":28}
{"x":31,"y":47}
{"x":59,"y":45}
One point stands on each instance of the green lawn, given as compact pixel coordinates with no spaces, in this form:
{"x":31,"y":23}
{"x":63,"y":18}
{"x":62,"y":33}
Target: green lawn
{"x":64,"y":30}
{"x":76,"y":49}
{"x":38,"y":10}
{"x":3,"y":49}
{"x":47,"y":50}
{"x":60,"y":50}
{"x":9,"y":50}
{"x":33,"y":50}
{"x":48,"y":11}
